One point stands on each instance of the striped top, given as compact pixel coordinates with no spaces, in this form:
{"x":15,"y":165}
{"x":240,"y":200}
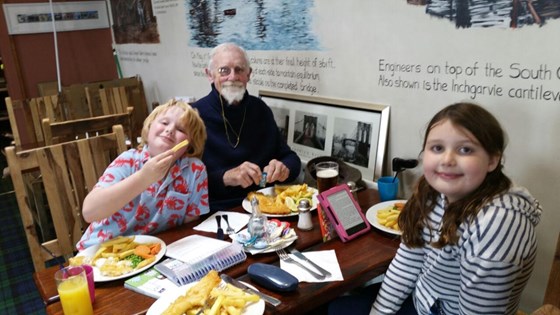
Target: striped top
{"x":484,"y":273}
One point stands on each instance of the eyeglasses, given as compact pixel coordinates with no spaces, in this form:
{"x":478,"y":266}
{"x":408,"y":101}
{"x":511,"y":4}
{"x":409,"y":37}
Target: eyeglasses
{"x":225,"y":71}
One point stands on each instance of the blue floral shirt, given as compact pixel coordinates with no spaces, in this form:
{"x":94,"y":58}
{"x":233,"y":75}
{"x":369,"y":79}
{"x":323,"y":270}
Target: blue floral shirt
{"x":164,"y":205}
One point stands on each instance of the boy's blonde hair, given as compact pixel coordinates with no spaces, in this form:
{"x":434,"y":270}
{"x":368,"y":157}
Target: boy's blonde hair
{"x":190,"y":121}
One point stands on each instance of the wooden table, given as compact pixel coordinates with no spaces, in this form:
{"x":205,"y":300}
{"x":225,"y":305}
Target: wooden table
{"x":360,"y":260}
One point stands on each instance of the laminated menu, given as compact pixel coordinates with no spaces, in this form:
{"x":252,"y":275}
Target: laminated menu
{"x":190,"y":258}
{"x":150,"y":283}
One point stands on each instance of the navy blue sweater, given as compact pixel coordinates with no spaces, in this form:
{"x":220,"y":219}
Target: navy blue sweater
{"x":259,"y":143}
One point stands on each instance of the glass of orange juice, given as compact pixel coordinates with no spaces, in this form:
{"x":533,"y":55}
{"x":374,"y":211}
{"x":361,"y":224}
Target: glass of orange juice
{"x":72,"y":286}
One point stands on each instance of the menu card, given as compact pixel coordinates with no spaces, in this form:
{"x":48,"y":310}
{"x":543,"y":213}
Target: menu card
{"x":192,"y":257}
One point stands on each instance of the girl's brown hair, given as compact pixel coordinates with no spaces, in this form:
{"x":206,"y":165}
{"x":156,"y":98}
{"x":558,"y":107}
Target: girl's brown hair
{"x":190,"y":121}
{"x":487,"y":130}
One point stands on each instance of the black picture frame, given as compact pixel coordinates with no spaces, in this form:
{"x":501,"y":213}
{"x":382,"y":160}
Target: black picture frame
{"x":313,"y":126}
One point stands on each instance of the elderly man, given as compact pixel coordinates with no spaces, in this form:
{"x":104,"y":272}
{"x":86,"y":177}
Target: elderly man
{"x":243,"y":139}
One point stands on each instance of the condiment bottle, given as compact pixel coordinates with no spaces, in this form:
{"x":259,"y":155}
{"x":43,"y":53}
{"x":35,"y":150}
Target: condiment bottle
{"x":257,"y":222}
{"x":353,"y":189}
{"x":304,"y":221}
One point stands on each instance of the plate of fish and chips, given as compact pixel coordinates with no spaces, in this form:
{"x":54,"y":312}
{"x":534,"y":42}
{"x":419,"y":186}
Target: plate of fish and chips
{"x":209,"y":295}
{"x":281,"y":200}
{"x":121,"y":257}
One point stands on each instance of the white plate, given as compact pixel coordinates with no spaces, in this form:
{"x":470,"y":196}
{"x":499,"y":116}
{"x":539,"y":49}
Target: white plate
{"x":161,"y":304}
{"x":371,"y":216}
{"x":253,"y":250}
{"x":270,"y":191}
{"x":142,"y":239}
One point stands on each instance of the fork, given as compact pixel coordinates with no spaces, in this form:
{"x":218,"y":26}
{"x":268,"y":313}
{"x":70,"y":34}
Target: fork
{"x":285,"y":257}
{"x":208,"y":302}
{"x":229,"y":229}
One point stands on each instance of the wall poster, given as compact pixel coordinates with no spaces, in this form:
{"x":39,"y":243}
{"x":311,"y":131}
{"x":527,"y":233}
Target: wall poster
{"x":29,"y":18}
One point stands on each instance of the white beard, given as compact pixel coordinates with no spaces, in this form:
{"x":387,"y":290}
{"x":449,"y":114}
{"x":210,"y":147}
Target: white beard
{"x":233,"y":92}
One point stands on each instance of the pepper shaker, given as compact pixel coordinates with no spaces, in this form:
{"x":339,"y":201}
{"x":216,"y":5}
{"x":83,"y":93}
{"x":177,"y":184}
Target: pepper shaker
{"x":304,"y":221}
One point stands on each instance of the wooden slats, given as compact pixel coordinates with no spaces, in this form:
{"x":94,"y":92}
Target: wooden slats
{"x":58,"y":132}
{"x":552,"y":294}
{"x":68,"y":171}
{"x":77,"y":102}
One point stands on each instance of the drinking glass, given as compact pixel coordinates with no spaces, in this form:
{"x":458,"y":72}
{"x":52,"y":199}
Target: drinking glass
{"x":327,"y":175}
{"x":72,"y":286}
{"x":91,"y":282}
{"x":388,"y":187}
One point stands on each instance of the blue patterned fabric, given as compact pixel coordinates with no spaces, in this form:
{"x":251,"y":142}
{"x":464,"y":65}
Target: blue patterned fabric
{"x":19,"y":293}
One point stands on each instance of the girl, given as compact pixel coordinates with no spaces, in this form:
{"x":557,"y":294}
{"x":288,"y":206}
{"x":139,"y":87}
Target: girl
{"x":152,"y":188}
{"x":468,"y":244}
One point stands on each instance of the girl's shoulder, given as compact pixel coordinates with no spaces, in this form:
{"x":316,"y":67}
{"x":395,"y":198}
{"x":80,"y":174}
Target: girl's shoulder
{"x":517,"y":201}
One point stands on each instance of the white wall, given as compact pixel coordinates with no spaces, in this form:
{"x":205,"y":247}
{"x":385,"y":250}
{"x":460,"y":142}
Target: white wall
{"x":355,"y":37}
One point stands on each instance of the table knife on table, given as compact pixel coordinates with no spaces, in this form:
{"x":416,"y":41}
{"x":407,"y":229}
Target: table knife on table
{"x":302,"y":257}
{"x":272,"y":300}
{"x":220,"y":231}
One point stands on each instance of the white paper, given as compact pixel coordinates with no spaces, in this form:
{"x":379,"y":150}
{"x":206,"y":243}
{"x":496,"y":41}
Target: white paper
{"x":236,"y":220}
{"x":193,"y":248}
{"x":326,"y":259}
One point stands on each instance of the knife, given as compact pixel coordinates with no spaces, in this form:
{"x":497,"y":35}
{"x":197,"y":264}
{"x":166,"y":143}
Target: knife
{"x":272,"y":300}
{"x":220,"y":231}
{"x":302,"y":257}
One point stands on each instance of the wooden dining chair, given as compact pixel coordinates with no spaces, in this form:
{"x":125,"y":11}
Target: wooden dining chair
{"x":67,"y":171}
{"x":59,"y":132}
{"x":25,"y":118}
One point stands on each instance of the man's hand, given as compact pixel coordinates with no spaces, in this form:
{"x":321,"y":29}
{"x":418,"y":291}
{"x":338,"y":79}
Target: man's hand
{"x":244,"y":175}
{"x":276,"y":171}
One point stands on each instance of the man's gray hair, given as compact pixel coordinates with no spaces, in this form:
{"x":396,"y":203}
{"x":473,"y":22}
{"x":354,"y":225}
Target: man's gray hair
{"x":227,"y":46}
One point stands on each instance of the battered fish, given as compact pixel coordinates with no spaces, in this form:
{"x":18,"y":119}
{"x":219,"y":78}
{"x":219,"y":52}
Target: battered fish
{"x":269,"y":204}
{"x":195,"y":296}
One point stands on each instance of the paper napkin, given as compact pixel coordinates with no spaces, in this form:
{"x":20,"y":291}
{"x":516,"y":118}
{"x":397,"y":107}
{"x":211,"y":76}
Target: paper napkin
{"x":326,"y":259}
{"x":236,"y":220}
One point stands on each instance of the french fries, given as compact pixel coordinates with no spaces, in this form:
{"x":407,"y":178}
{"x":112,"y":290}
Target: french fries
{"x":113,"y":258}
{"x":388,"y":217}
{"x":230,"y":300}
{"x":181,"y":144}
{"x":210,"y":296}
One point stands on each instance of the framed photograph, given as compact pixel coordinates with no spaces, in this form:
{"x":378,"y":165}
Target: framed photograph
{"x":29,"y":18}
{"x":355,"y":132}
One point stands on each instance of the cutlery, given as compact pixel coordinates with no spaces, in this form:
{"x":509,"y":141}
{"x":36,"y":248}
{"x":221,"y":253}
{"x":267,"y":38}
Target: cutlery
{"x":229,"y":229}
{"x":302,"y":257}
{"x":220,"y":231}
{"x":285,"y":257}
{"x":273,"y":247}
{"x":272,"y":300}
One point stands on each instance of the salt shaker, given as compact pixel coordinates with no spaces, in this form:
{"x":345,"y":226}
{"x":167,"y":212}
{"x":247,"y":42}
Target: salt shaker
{"x":304,"y":221}
{"x":257,"y":222}
{"x":353,"y":189}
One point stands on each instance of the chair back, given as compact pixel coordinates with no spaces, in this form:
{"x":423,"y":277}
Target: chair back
{"x":26,"y":116}
{"x":68,"y":171}
{"x":59,"y":132}
{"x":552,"y":293}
